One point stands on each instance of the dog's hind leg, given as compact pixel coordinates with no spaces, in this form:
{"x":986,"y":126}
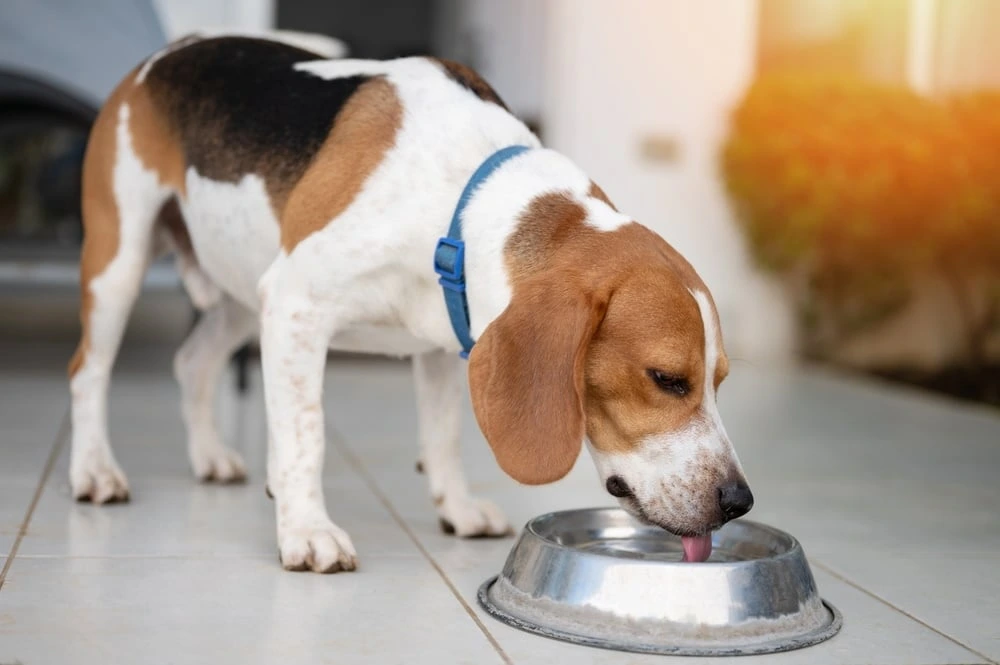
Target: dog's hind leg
{"x":198,"y":365}
{"x":121,"y":200}
{"x":204,"y":293}
{"x":439,"y":403}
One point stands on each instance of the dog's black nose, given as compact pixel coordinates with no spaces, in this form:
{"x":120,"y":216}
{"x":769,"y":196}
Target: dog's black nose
{"x":735,"y":500}
{"x":618,"y":487}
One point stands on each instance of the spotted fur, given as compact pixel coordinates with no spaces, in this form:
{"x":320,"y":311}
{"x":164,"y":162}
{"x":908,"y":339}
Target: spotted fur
{"x":304,"y":197}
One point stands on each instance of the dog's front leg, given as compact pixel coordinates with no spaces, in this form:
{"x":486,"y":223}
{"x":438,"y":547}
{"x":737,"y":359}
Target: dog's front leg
{"x":295,"y":333}
{"x":439,"y":403}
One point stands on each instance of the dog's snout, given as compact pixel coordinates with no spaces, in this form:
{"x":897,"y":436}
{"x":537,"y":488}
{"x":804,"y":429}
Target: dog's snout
{"x":735,"y":500}
{"x":617,"y":487}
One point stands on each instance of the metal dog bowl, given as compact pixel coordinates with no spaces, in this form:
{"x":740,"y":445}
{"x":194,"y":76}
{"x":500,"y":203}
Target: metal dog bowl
{"x":599,"y":577}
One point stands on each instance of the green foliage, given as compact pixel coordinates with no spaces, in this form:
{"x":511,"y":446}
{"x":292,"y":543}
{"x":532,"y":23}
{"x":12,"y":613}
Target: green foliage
{"x":854,"y":188}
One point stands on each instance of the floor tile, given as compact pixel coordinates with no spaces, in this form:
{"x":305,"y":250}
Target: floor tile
{"x":852,"y":467}
{"x":172,"y":514}
{"x":141,"y":610}
{"x":15,"y":497}
{"x":959,"y":594}
{"x":188,"y":519}
{"x":33,"y":403}
{"x":32,"y":409}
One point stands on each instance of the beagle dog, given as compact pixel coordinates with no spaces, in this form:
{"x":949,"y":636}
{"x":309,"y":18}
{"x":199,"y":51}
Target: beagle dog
{"x":304,"y":198}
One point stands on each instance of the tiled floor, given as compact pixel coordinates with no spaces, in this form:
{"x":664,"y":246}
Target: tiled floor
{"x":894,"y":496}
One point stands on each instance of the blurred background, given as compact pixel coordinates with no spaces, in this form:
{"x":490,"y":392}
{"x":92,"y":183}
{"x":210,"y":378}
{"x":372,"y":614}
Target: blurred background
{"x":830,"y":167}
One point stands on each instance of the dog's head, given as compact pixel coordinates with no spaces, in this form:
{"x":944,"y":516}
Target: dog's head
{"x":610,"y":336}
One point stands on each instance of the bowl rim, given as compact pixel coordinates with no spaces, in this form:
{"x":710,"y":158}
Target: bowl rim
{"x":810,"y":638}
{"x":794,"y":549}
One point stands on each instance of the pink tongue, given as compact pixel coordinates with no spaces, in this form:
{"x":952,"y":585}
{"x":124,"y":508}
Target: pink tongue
{"x":696,"y":548}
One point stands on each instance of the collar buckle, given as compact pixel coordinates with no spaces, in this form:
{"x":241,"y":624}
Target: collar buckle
{"x":449,"y":264}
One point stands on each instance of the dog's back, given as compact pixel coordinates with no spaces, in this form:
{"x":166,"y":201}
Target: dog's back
{"x":263,"y":142}
{"x":238,"y":106}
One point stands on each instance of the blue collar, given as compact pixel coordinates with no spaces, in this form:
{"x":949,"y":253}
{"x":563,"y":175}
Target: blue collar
{"x":449,"y":256}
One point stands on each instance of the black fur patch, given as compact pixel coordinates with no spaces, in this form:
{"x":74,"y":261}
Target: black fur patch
{"x":238,"y":106}
{"x":471,"y":81}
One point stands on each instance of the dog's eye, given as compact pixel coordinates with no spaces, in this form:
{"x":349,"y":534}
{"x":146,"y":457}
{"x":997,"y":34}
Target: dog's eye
{"x":677,"y":385}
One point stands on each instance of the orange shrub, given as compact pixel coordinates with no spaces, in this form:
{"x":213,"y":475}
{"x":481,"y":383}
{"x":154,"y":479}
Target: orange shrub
{"x":853,"y":188}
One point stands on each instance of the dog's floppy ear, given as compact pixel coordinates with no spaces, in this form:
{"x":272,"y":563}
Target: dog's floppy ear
{"x":526,"y":378}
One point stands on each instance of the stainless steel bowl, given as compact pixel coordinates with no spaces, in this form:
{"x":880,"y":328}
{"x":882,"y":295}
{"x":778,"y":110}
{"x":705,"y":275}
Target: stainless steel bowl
{"x":600,"y":578}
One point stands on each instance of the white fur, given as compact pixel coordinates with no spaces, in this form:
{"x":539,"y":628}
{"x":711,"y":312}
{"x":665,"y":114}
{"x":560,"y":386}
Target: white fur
{"x":710,"y":403}
{"x":236,"y":235}
{"x":335,"y":69}
{"x":603,"y":217}
{"x":662,"y":470}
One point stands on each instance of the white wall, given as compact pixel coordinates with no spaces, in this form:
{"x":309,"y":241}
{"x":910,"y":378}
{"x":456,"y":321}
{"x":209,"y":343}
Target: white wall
{"x":504,"y":41}
{"x":618,"y":72}
{"x":180,"y":17}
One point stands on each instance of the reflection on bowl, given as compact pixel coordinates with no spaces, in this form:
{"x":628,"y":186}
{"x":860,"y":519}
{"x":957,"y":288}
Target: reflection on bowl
{"x":598,"y":577}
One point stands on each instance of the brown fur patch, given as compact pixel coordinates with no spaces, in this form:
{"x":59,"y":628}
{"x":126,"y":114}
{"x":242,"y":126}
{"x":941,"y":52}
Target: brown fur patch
{"x":597,"y":193}
{"x":153,"y":140}
{"x":596,"y":310}
{"x":99,"y":208}
{"x":469,"y":79}
{"x":526,"y":375}
{"x":549,"y":221}
{"x":365,"y":130}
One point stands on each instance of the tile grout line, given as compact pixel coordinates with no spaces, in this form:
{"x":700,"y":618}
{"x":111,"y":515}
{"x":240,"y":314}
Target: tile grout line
{"x":355,"y":462}
{"x":827,"y":569}
{"x":50,"y":462}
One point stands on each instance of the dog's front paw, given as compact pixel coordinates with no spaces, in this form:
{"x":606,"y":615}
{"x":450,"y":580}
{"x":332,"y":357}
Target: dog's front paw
{"x":98,"y":479}
{"x":469,"y":517}
{"x":322,"y":547}
{"x":215,"y":462}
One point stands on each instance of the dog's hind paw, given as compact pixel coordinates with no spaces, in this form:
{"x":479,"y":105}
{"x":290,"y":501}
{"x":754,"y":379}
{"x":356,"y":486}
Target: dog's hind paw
{"x":217,"y":463}
{"x":98,"y":482}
